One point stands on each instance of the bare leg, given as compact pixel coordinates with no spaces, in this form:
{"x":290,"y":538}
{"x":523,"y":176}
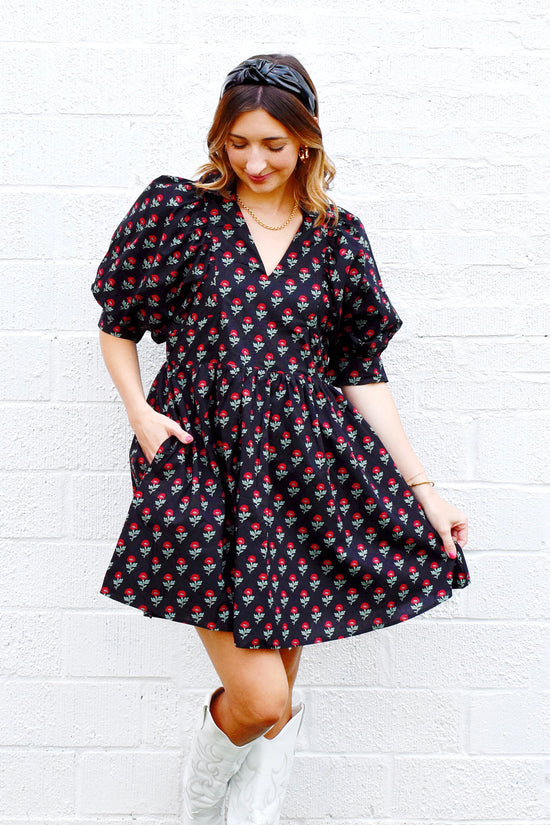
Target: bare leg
{"x":290,"y":657}
{"x":257,"y":685}
{"x":257,"y":789}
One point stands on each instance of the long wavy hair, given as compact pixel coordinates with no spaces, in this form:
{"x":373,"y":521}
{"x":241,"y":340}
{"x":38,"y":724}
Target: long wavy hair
{"x":312,"y":176}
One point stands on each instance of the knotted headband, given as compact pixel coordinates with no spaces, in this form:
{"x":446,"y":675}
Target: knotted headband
{"x":257,"y":71}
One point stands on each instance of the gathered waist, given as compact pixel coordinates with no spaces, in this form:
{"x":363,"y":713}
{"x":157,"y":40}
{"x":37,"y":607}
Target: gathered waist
{"x":215,"y":369}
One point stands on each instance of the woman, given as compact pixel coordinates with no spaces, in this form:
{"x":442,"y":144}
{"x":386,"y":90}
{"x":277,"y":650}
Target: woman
{"x":277,"y":501}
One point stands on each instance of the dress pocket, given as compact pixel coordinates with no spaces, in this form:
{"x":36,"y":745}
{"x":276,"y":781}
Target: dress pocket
{"x":139,"y":466}
{"x":161,"y":488}
{"x":164,"y":449}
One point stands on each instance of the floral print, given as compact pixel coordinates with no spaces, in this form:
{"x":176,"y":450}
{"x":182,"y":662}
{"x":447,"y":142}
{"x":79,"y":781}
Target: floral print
{"x":285,"y":520}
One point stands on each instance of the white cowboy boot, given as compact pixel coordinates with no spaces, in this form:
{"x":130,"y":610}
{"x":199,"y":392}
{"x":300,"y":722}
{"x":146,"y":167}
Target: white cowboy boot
{"x":212,"y":761}
{"x":257,"y":789}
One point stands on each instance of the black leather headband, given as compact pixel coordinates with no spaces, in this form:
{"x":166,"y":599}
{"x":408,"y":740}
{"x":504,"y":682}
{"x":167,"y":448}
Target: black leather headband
{"x":257,"y":71}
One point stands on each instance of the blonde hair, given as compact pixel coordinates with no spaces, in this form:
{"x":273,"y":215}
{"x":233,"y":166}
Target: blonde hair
{"x":312,"y":176}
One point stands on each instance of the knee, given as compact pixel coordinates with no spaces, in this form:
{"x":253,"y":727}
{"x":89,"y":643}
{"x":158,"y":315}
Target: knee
{"x":261,"y":709}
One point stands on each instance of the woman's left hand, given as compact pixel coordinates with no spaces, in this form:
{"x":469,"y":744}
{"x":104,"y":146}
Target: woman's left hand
{"x":450,"y":523}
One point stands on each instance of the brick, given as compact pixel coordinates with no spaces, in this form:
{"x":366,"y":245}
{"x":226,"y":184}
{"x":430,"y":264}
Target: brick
{"x":418,"y":180}
{"x":534,"y":33}
{"x":435,"y":214}
{"x":506,"y":723}
{"x":442,"y":786}
{"x":439,"y":69}
{"x":420,"y":359}
{"x":121,"y":642}
{"x":490,"y":106}
{"x":30,"y":641}
{"x":490,"y":395}
{"x":80,"y":374}
{"x":504,"y":356}
{"x":68,"y":714}
{"x":441,"y":443}
{"x":68,"y":573}
{"x":80,"y":79}
{"x":521,"y":461}
{"x":40,"y":24}
{"x":100,"y":503}
{"x":102,"y":438}
{"x":25,"y":367}
{"x":466,"y":655}
{"x":71,"y":216}
{"x":341,"y":787}
{"x":390,"y":821}
{"x":503,"y":517}
{"x":359,"y":661}
{"x":87,"y":438}
{"x":84,"y":820}
{"x":506,"y":10}
{"x":166,"y":718}
{"x":492,"y":595}
{"x":288,"y":25}
{"x":130,"y":781}
{"x":33,"y":505}
{"x":519,"y":142}
{"x":444,"y":150}
{"x":463,"y":33}
{"x":324,"y":25}
{"x":525,"y":214}
{"x":48,"y":302}
{"x":465,"y":213}
{"x":427,"y":249}
{"x":499,"y":285}
{"x":37,"y":782}
{"x":137,"y":152}
{"x":390,"y":720}
{"x":425,"y":320}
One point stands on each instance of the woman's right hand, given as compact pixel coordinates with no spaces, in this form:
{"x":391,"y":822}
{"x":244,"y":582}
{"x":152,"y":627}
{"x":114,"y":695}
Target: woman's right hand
{"x":152,"y":428}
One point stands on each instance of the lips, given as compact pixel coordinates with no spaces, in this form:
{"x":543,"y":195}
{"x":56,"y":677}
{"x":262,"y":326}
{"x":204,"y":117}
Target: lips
{"x":259,"y":178}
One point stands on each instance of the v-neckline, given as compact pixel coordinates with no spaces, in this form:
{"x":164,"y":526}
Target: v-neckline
{"x":252,"y":243}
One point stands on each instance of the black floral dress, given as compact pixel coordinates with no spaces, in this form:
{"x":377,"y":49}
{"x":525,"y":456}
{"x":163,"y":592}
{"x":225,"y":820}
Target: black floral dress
{"x":285,"y":520}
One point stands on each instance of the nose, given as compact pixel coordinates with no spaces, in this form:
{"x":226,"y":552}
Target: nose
{"x":256,"y":162}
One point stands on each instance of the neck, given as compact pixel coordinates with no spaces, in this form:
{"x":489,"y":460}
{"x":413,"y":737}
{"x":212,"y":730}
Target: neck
{"x":270,"y":203}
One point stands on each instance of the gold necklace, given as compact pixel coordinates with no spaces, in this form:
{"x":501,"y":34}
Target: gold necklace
{"x":265,"y":226}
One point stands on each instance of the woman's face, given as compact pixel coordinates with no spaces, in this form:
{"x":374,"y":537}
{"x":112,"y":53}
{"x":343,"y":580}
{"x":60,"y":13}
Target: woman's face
{"x":262,"y":153}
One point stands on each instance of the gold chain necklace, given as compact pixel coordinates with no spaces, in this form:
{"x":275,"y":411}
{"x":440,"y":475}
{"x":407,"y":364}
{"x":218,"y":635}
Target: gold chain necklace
{"x":265,"y":226}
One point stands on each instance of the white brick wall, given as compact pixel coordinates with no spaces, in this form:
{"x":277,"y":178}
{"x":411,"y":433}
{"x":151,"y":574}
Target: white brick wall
{"x":437,"y":118}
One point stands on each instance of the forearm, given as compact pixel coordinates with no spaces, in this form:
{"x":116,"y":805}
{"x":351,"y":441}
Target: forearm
{"x":150,"y":426}
{"x":375,"y":403}
{"x":122,"y":362}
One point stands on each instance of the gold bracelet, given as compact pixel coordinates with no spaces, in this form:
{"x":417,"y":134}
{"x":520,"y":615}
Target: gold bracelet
{"x":417,"y":483}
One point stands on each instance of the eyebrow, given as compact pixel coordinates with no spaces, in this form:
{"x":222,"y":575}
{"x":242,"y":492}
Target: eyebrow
{"x":282,"y":137}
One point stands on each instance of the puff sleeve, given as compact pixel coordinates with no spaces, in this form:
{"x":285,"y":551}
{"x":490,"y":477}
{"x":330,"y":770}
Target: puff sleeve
{"x":366,"y":319}
{"x":158,"y":248}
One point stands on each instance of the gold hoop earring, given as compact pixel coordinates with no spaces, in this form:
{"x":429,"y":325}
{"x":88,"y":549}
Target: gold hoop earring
{"x":303,"y":154}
